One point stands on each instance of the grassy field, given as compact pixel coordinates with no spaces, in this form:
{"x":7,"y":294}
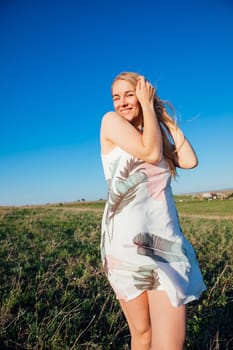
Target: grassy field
{"x":219,"y":209}
{"x":55,"y":296}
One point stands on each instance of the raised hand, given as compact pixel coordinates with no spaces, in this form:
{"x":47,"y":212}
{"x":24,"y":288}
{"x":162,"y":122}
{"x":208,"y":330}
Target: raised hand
{"x":144,"y":91}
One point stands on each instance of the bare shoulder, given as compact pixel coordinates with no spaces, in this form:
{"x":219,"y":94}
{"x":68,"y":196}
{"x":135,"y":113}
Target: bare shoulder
{"x":110,"y":122}
{"x":117,"y":131}
{"x":110,"y":117}
{"x":107,"y":120}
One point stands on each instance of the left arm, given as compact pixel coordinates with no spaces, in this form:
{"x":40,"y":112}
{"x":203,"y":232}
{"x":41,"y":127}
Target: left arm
{"x":184,"y":154}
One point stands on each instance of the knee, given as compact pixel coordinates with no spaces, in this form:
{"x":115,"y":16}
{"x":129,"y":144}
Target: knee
{"x":142,"y":336}
{"x":145,"y":338}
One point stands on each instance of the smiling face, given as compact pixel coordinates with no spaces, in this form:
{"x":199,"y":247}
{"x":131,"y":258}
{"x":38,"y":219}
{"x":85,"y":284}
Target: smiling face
{"x":125,"y":101}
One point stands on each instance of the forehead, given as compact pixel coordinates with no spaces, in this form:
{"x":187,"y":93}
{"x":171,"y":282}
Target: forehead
{"x":120,"y":86}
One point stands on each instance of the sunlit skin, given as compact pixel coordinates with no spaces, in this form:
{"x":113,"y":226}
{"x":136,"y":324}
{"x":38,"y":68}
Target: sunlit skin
{"x":134,"y":104}
{"x":158,"y":325}
{"x":126,"y":103}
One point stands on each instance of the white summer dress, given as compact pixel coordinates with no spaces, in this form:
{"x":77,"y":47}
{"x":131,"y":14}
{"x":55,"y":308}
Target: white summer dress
{"x":142,"y":244}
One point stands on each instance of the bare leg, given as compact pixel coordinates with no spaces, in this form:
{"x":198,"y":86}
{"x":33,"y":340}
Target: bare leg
{"x":168,"y":322}
{"x":137,"y":314}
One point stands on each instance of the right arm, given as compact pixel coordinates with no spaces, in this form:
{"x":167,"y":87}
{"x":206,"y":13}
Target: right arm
{"x":151,"y":137}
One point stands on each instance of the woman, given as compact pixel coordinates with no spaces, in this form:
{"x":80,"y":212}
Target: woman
{"x":150,"y":264}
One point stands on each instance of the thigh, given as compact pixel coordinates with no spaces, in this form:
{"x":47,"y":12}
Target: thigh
{"x":137,"y":314}
{"x":168,"y":322}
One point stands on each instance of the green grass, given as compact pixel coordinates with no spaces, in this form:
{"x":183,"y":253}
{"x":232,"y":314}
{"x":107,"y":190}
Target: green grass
{"x":186,"y":205}
{"x":219,"y":208}
{"x":87,"y":205}
{"x":54,"y":294}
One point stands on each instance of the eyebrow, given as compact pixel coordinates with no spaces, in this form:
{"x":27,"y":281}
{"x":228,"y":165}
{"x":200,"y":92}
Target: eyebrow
{"x":126,"y":92}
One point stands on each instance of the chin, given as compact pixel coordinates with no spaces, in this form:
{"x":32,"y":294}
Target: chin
{"x":128,"y":117}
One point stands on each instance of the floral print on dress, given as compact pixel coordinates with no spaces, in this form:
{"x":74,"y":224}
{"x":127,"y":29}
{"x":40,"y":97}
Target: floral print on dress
{"x":159,"y":249}
{"x":123,"y":189}
{"x":142,"y":244}
{"x":146,"y":278}
{"x":157,"y":180}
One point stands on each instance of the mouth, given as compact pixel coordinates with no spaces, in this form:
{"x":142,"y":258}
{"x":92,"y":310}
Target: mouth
{"x":125,"y":110}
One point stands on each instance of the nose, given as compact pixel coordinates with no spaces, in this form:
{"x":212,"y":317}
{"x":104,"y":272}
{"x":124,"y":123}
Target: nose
{"x":123,"y":101}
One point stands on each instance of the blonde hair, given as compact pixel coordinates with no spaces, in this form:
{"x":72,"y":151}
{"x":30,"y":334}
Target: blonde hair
{"x":163,"y":118}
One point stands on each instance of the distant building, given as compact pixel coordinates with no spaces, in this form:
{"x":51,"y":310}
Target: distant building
{"x":206,"y":195}
{"x":213,"y":195}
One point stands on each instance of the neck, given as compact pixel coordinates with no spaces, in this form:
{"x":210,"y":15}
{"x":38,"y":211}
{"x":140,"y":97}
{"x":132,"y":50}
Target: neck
{"x":138,"y":124}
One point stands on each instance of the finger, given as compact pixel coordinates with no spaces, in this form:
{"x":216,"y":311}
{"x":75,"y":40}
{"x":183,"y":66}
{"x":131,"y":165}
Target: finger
{"x":141,"y":77}
{"x":148,"y":85}
{"x":141,"y":80}
{"x":152,"y":93}
{"x":138,"y":86}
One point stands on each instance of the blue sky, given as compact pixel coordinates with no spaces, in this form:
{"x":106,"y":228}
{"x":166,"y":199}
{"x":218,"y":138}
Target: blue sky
{"x":58,"y":59}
